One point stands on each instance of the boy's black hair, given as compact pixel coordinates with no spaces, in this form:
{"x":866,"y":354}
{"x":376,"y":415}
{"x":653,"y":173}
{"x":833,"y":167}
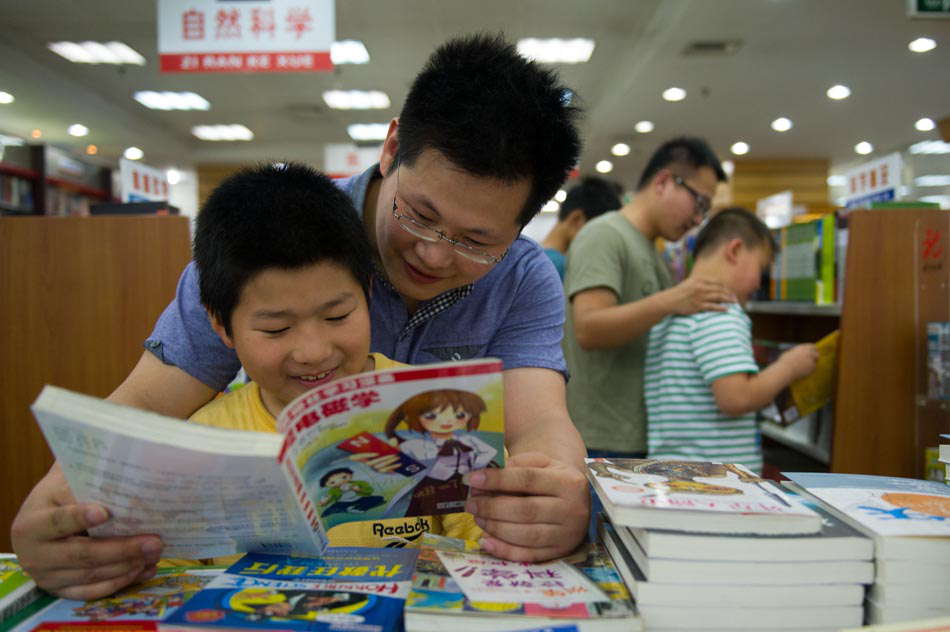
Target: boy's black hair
{"x":730,"y":223}
{"x":282,"y":215}
{"x":689,"y":152}
{"x":493,"y":114}
{"x":326,"y":477}
{"x":594,"y":196}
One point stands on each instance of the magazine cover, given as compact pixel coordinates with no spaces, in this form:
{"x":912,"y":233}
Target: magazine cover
{"x":150,"y":600}
{"x":348,"y":588}
{"x":17,"y":590}
{"x":393,"y":443}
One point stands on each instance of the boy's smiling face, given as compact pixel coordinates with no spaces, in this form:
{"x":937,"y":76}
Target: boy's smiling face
{"x":296,"y":329}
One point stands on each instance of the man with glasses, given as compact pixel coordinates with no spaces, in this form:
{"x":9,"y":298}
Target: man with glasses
{"x":618,"y":287}
{"x":484,"y":139}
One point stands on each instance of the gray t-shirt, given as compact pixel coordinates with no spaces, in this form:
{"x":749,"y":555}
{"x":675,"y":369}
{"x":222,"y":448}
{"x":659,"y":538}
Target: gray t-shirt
{"x":605,"y":394}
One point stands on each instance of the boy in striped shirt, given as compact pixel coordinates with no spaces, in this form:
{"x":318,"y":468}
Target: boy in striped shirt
{"x":702,"y":385}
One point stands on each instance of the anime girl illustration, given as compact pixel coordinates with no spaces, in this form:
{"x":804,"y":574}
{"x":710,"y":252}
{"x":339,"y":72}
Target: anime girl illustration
{"x":444,"y":418}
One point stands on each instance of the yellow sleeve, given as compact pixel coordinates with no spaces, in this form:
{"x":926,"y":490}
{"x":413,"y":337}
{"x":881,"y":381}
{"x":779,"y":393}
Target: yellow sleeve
{"x":461,"y":526}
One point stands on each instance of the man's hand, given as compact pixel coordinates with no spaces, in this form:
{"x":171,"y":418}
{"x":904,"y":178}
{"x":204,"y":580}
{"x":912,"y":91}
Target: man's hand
{"x":800,"y":360}
{"x":698,"y":295}
{"x":49,"y":538}
{"x":535,"y":508}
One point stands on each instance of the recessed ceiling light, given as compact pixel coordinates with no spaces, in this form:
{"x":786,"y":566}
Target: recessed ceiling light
{"x":740,"y":148}
{"x":551,"y":206}
{"x":620,"y":149}
{"x":222,"y":132}
{"x":837,"y":181}
{"x":171,"y":100}
{"x":134,"y":153}
{"x":173,"y":176}
{"x":92,"y":150}
{"x":36,"y":133}
{"x":864,"y":147}
{"x":561,"y":195}
{"x":604,"y":166}
{"x":356,"y":99}
{"x":838,"y":92}
{"x":97,"y":53}
{"x":942,"y":200}
{"x":644,"y":127}
{"x":922,"y":45}
{"x":925,"y":125}
{"x":782,"y":124}
{"x":674,"y":94}
{"x":932,"y":181}
{"x":348,"y":52}
{"x":6,"y":97}
{"x":77,"y":129}
{"x":556,"y":50}
{"x":930,"y":147}
{"x":367,"y":131}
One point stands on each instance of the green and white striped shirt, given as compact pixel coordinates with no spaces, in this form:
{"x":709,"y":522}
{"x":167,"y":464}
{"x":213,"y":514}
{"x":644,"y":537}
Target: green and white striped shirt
{"x":685,"y":355}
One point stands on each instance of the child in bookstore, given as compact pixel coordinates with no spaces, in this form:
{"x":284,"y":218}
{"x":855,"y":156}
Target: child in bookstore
{"x":285,"y":277}
{"x":702,"y":385}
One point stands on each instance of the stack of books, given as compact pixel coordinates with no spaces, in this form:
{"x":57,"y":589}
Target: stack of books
{"x":944,"y":456}
{"x":909,"y":522}
{"x":707,"y":546}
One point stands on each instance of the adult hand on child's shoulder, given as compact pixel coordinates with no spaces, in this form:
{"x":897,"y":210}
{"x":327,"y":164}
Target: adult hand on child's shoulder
{"x":536,"y":508}
{"x":49,"y":539}
{"x":699,"y":295}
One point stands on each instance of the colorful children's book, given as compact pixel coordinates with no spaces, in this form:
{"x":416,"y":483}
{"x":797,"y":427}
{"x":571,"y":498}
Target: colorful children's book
{"x":347,"y":588}
{"x":696,"y":496}
{"x":17,"y":590}
{"x":140,"y":605}
{"x":815,"y":390}
{"x":385,"y":444}
{"x":472,"y":591}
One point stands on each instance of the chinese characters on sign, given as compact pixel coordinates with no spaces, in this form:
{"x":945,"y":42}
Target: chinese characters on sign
{"x":875,"y":181}
{"x":141,"y":183}
{"x":242,"y":36}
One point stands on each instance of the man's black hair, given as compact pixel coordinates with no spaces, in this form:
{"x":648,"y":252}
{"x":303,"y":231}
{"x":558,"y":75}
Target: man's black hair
{"x":689,"y":153}
{"x":493,"y":114}
{"x":730,"y":223}
{"x":594,"y":196}
{"x":326,"y":477}
{"x":281,"y":215}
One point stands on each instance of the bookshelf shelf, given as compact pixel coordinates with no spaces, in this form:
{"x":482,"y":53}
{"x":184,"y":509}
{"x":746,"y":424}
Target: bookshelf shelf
{"x":793,"y":308}
{"x":781,"y":435}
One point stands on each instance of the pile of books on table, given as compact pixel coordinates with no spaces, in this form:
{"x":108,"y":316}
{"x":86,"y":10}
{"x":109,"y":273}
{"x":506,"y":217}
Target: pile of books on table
{"x":909,"y":522}
{"x":708,"y":546}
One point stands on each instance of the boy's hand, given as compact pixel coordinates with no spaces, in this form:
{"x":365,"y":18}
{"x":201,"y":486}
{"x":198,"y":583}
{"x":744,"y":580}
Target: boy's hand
{"x":800,"y":360}
{"x":533,"y":509}
{"x":699,"y":295}
{"x":49,"y":539}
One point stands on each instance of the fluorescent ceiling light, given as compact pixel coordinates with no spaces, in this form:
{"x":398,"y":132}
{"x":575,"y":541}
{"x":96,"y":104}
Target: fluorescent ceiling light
{"x":864,"y":148}
{"x":348,"y":52}
{"x":922,"y":45}
{"x":782,"y":124}
{"x":837,"y":181}
{"x":674,"y":94}
{"x":930,"y":147}
{"x":77,"y":129}
{"x":620,"y":149}
{"x":97,"y":53}
{"x":932,"y":181}
{"x":942,"y":200}
{"x":222,"y":132}
{"x":555,"y":50}
{"x":740,"y":148}
{"x":838,"y":92}
{"x":644,"y":127}
{"x":134,"y":153}
{"x":356,"y":99}
{"x":5,"y":98}
{"x":551,"y":206}
{"x":604,"y":166}
{"x":363,"y":132}
{"x":11,"y":141}
{"x":925,"y":125}
{"x":561,"y":195}
{"x":171,"y":100}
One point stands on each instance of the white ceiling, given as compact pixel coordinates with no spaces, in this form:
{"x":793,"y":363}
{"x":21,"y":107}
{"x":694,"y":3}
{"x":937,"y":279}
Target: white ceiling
{"x":792,"y":51}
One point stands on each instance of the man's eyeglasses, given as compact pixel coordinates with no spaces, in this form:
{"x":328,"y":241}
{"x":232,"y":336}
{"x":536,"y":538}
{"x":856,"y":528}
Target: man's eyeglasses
{"x":701,"y":201}
{"x":423,"y":230}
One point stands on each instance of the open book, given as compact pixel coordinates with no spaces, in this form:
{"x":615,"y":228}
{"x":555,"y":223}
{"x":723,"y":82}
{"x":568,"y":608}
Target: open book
{"x":358,"y":448}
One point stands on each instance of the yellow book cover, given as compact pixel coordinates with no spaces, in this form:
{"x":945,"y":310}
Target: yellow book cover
{"x":816,"y":390}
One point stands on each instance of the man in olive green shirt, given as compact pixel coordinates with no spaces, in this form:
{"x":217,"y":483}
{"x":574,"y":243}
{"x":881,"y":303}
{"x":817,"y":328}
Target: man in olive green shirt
{"x":618,"y":287}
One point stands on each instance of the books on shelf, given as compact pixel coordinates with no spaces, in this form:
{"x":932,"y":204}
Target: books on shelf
{"x":805,"y":267}
{"x":17,"y":590}
{"x":476,"y":592}
{"x":345,"y":456}
{"x":938,"y":365}
{"x":696,"y":496}
{"x":346,"y":588}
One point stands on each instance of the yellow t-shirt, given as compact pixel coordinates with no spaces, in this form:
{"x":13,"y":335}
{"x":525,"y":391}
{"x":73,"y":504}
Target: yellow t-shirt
{"x":243,"y":409}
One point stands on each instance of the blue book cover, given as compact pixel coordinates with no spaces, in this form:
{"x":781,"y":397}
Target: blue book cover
{"x":348,"y":588}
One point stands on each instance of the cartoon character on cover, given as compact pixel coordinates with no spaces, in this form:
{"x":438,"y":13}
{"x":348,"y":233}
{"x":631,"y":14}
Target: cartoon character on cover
{"x":344,"y":494}
{"x":447,"y":449}
{"x":265,"y":603}
{"x":680,"y":475}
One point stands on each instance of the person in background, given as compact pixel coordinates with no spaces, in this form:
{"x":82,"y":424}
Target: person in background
{"x":703,"y":386}
{"x":484,"y":138}
{"x":617,"y":287}
{"x":585,"y":201}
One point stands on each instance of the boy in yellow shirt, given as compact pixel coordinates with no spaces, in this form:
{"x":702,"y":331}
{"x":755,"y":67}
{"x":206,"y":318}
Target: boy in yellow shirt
{"x":285,"y":273}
